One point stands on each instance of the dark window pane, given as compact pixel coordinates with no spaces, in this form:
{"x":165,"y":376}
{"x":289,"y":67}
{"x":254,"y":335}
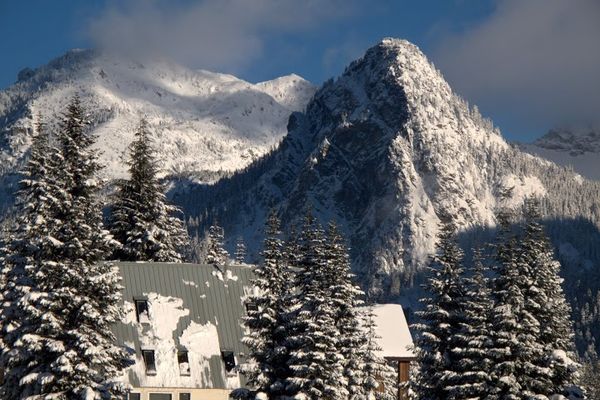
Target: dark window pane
{"x":141,"y":311}
{"x":134,"y":396}
{"x":185,"y":396}
{"x":229,"y":360}
{"x":160,"y":396}
{"x":149,"y":361}
{"x":184,"y":364}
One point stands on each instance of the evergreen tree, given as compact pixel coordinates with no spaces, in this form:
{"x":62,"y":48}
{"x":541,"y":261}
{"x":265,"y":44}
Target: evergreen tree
{"x":346,"y":298}
{"x":440,"y":320}
{"x":471,"y":347}
{"x":240,"y":251}
{"x":514,"y":347}
{"x":61,"y":299}
{"x":548,"y":304}
{"x":141,"y":219}
{"x":588,"y":377}
{"x":267,"y":367}
{"x":216,"y":254}
{"x":316,"y":363}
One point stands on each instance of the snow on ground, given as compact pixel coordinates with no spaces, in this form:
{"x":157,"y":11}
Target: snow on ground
{"x":396,"y":340}
{"x":520,"y":188}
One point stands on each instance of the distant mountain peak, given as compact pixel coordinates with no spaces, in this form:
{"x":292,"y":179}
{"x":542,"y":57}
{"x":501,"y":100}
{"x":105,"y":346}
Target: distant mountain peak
{"x":204,"y":123}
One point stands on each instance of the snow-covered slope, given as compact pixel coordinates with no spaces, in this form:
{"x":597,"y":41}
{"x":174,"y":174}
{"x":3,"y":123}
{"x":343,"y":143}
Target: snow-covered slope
{"x":387,"y":150}
{"x":575,"y":147}
{"x":202,"y":121}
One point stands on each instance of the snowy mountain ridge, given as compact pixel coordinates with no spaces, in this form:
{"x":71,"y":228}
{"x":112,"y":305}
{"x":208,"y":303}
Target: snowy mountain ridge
{"x":387,"y":150}
{"x":203,"y":122}
{"x":576,"y":147}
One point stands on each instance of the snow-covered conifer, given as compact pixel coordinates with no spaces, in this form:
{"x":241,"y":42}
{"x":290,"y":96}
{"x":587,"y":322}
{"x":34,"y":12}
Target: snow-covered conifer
{"x":346,"y":298}
{"x":266,"y":368}
{"x":514,"y":347}
{"x":471,"y":346}
{"x":549,"y":306}
{"x":61,"y":298}
{"x":316,"y":363}
{"x":240,"y":251}
{"x":141,"y":219}
{"x":216,"y":254}
{"x":440,"y":320}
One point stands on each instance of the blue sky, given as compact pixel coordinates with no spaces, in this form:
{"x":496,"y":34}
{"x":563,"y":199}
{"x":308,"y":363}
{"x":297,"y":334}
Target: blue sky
{"x":528,"y":64}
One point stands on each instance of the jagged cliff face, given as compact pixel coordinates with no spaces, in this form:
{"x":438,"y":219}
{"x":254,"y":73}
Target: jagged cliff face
{"x":385,"y":150}
{"x":203,"y":123}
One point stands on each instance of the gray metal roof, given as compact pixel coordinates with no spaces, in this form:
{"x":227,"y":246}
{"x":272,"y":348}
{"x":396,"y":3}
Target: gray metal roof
{"x":208,"y":298}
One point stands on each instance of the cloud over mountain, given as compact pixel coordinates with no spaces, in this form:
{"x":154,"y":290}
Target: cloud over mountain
{"x":537,"y":59}
{"x":223,"y":35}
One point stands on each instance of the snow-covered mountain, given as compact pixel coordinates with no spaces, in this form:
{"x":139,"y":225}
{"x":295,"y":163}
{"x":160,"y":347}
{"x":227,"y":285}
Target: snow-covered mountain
{"x":203,"y":122}
{"x":386,"y":150}
{"x":576,"y":147}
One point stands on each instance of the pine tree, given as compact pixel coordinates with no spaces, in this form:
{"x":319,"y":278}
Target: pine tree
{"x":440,"y":320}
{"x":240,"y":251}
{"x":141,"y":219}
{"x":548,"y":304}
{"x":315,"y":362}
{"x":267,"y":367}
{"x":471,"y":346}
{"x":516,"y":349}
{"x":216,"y":254}
{"x":61,"y":299}
{"x":346,"y":298}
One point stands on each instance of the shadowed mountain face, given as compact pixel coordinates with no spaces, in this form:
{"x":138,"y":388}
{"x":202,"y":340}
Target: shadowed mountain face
{"x":385,"y":150}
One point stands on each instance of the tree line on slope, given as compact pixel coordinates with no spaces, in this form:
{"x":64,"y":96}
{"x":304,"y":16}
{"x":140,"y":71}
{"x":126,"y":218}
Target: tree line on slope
{"x":501,"y":330}
{"x":308,"y":332}
{"x":59,"y":297}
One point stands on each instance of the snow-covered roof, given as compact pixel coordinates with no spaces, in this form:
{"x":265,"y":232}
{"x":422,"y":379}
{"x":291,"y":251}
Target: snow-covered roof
{"x":190,"y":307}
{"x":395,"y":338}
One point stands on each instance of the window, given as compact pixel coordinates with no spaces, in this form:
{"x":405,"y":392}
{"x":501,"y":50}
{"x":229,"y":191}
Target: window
{"x":229,"y":360}
{"x":149,"y":361}
{"x":141,"y":311}
{"x":251,"y":306}
{"x":184,"y":364}
{"x":133,"y":396}
{"x":160,"y":396}
{"x":185,"y":396}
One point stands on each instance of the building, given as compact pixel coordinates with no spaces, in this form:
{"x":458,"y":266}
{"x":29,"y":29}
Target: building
{"x":182,"y":325}
{"x":395,"y":341}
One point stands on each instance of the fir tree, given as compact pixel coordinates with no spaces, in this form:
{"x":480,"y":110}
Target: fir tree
{"x":267,"y":367}
{"x":471,"y":347}
{"x":441,"y":320}
{"x":61,"y":299}
{"x":316,"y":364}
{"x":346,"y":298}
{"x":515,"y":348}
{"x":548,"y":304}
{"x":216,"y":254}
{"x":240,"y":251}
{"x":141,"y":219}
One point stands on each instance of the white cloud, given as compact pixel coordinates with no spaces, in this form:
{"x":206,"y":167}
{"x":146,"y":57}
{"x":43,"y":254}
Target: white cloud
{"x":537,"y":60}
{"x":223,"y":35}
